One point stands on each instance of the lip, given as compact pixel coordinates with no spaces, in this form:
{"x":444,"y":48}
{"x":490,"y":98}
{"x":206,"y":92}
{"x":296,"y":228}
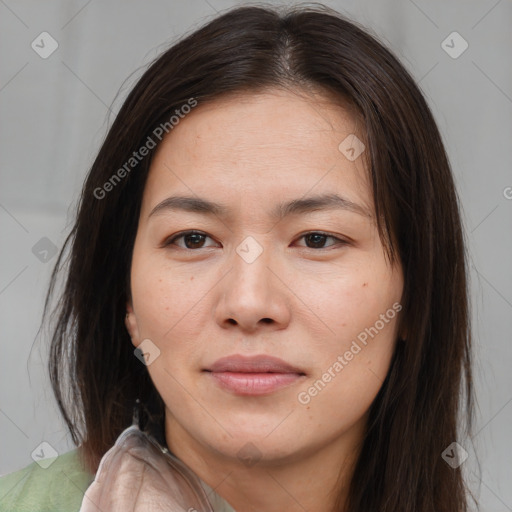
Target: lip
{"x":254,"y":375}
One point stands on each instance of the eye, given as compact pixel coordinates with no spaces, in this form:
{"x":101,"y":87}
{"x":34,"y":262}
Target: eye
{"x":191,"y":239}
{"x":317,"y":239}
{"x":195,"y":240}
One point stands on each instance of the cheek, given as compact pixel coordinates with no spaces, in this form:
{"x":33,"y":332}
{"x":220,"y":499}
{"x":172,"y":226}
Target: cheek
{"x":169,"y":304}
{"x":351,"y":368}
{"x":352,"y":300}
{"x":359,"y":311}
{"x":160,"y":294}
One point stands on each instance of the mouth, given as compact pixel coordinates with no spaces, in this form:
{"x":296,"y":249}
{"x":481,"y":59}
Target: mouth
{"x":255,"y":375}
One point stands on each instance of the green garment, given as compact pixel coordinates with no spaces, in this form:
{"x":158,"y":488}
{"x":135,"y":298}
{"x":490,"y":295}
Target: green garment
{"x":58,"y":488}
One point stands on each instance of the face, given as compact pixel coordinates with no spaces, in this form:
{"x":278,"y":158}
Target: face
{"x":269,"y":328}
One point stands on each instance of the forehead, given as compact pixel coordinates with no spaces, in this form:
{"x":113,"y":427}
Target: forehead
{"x":272,"y":120}
{"x":266,"y":145}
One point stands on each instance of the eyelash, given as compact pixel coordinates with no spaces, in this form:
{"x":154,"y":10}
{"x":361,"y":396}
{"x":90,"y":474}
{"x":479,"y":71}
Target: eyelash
{"x":171,"y":240}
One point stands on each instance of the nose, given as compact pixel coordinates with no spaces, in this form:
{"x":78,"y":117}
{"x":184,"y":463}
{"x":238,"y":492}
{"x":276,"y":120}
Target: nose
{"x":253,"y":295}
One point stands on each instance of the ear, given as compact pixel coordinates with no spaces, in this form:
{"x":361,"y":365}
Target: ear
{"x":403,"y":332}
{"x":131,"y":325}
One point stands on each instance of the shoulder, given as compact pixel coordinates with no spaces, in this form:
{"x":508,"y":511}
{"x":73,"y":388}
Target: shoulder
{"x":58,"y":485}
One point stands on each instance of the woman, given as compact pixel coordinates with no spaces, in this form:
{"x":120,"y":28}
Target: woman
{"x":268,"y":260}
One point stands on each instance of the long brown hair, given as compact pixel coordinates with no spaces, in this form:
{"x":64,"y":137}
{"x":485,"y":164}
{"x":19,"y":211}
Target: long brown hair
{"x":427,"y":393}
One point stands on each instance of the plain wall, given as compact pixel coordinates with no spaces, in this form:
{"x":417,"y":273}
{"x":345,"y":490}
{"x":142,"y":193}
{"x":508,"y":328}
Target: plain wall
{"x":54,"y":114}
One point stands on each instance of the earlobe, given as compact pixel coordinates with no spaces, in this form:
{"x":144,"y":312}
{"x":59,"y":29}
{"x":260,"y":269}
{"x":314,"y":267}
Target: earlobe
{"x":403,"y":334}
{"x":131,"y":325}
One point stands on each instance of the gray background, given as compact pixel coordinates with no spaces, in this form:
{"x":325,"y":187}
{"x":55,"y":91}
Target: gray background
{"x":55,"y":112}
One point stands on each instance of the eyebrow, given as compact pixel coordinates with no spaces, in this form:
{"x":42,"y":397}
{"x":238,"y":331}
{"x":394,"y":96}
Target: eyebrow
{"x":294,"y":207}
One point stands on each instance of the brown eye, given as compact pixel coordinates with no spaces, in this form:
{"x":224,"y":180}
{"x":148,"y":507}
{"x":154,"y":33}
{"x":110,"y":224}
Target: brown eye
{"x":191,"y":240}
{"x":196,"y":240}
{"x":317,"y":240}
